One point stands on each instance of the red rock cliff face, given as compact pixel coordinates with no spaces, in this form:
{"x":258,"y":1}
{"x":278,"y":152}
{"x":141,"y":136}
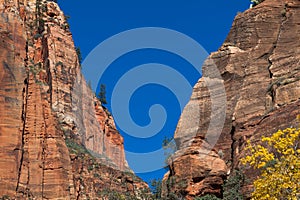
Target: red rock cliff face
{"x":57,"y":141}
{"x":259,"y":65}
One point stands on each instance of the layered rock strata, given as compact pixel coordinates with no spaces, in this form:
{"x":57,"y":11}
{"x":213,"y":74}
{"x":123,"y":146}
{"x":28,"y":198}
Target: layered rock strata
{"x":57,"y":141}
{"x":259,"y":66}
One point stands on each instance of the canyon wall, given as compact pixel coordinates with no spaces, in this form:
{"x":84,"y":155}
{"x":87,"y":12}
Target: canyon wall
{"x":259,"y":67}
{"x":57,"y":140}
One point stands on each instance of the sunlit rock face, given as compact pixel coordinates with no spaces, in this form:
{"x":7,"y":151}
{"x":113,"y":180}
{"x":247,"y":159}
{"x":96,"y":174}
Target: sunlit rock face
{"x":259,"y":64}
{"x":57,"y":140}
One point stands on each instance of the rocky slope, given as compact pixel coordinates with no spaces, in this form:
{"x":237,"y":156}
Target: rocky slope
{"x":57,"y":141}
{"x":259,"y":66}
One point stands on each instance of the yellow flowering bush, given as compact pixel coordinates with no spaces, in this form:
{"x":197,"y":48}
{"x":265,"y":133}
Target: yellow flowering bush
{"x":279,"y":163}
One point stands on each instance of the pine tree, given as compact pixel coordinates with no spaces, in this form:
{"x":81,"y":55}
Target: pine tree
{"x":102,"y":94}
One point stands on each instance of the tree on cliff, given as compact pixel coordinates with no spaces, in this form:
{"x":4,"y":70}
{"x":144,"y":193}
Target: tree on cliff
{"x":102,"y":94}
{"x":279,"y":163}
{"x":79,"y":55}
{"x":156,"y":188}
{"x":256,"y":2}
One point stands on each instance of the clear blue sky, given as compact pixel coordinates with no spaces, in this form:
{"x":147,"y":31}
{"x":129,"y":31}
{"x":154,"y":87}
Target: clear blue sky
{"x":207,"y":22}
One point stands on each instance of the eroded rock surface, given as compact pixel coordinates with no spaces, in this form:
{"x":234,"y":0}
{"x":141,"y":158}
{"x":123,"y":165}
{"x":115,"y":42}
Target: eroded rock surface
{"x":259,"y":64}
{"x":57,"y":141}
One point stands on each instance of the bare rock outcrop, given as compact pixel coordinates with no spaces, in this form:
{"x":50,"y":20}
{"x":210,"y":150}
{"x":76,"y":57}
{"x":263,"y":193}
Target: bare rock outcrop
{"x":259,"y":65}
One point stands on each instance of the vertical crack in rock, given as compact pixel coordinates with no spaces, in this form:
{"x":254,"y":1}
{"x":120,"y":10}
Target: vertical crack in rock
{"x":24,"y":109}
{"x":232,"y":145}
{"x":272,"y":91}
{"x":23,"y":117}
{"x":270,"y":64}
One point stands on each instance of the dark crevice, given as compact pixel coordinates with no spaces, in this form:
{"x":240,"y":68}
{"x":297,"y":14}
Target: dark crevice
{"x":270,"y":72}
{"x":23,"y":117}
{"x":272,"y":90}
{"x":276,"y":42}
{"x":271,"y":52}
{"x":232,"y":131}
{"x":49,"y":80}
{"x":197,"y":179}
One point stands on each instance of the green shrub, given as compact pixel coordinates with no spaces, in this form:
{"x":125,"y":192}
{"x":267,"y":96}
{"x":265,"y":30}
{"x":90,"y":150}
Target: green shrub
{"x":90,"y":167}
{"x":208,"y":197}
{"x":79,"y":55}
{"x":233,"y":186}
{"x":5,"y":197}
{"x":36,"y":36}
{"x":256,"y":2}
{"x":75,"y":148}
{"x":59,"y":63}
{"x":114,"y":195}
{"x":96,"y":175}
{"x":156,"y":188}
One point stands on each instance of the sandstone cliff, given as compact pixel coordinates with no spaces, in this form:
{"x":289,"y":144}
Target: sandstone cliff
{"x":57,"y":141}
{"x":259,"y":65}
